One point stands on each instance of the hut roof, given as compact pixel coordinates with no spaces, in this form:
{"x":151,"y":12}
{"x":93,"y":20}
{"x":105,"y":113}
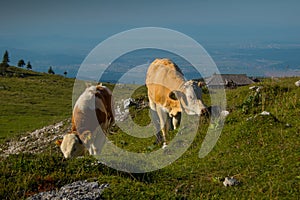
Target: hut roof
{"x":224,"y":79}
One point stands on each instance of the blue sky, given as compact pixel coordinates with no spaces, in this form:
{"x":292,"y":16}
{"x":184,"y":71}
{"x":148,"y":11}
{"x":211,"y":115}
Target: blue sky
{"x":78,"y":26}
{"x":205,"y":20}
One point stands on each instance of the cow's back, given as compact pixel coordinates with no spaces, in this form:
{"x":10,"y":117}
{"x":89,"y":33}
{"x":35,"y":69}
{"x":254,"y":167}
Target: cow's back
{"x":91,"y":111}
{"x":104,"y":107}
{"x":165,"y":73}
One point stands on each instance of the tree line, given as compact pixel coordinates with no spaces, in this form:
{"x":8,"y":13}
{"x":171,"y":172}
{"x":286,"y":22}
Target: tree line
{"x":21,"y":63}
{"x":5,"y":63}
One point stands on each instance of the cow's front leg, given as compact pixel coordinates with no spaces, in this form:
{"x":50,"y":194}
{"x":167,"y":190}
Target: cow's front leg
{"x":176,"y":121}
{"x":155,"y":120}
{"x":164,"y":124}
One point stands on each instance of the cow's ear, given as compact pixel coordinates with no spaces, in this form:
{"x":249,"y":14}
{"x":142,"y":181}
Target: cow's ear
{"x":173,"y":95}
{"x":181,"y":97}
{"x":87,"y":84}
{"x":79,"y":140}
{"x":201,"y":84}
{"x":178,"y":94}
{"x":58,"y":142}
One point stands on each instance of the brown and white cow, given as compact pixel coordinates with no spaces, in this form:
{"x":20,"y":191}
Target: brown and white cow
{"x":169,"y":94}
{"x":93,"y":115}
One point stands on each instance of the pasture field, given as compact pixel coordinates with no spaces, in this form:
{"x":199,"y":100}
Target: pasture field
{"x":33,"y":102}
{"x":260,"y":151}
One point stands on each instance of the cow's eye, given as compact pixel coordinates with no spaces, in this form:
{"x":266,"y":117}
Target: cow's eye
{"x":74,"y":149}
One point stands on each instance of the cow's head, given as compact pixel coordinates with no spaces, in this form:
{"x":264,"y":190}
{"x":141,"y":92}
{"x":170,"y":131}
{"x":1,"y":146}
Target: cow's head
{"x":190,"y":97}
{"x":71,"y":146}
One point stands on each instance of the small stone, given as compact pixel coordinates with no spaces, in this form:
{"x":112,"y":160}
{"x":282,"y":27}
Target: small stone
{"x":288,"y":125}
{"x":230,"y":181}
{"x":264,"y":113}
{"x":224,"y":113}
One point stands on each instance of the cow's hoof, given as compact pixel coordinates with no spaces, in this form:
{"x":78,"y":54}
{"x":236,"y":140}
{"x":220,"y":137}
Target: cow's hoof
{"x":164,"y":145}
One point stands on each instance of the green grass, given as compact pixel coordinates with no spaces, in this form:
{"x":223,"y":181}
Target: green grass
{"x":263,"y":152}
{"x":33,"y":102}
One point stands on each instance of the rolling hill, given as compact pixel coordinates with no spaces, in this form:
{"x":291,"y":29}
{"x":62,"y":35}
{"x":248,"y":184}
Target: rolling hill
{"x":259,"y":149}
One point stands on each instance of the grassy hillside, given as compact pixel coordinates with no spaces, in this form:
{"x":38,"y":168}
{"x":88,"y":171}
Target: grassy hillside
{"x":32,"y":102}
{"x":261,"y":151}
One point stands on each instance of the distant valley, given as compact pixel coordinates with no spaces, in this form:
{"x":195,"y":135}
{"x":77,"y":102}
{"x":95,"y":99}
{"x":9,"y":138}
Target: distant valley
{"x":270,"y":59}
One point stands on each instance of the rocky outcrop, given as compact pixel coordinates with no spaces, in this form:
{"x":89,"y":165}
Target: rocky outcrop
{"x":76,"y":190}
{"x":36,"y":141}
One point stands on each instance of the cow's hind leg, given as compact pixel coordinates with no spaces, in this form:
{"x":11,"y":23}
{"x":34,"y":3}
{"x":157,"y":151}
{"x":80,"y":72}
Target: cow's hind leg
{"x":99,"y":140}
{"x":94,"y":141}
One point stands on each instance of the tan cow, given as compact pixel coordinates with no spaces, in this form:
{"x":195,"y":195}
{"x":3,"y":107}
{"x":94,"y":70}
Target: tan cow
{"x":93,"y":115}
{"x":169,"y":94}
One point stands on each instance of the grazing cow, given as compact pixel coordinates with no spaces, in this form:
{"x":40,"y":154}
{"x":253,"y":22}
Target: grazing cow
{"x":169,"y":94}
{"x":297,"y":83}
{"x":93,"y":115}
